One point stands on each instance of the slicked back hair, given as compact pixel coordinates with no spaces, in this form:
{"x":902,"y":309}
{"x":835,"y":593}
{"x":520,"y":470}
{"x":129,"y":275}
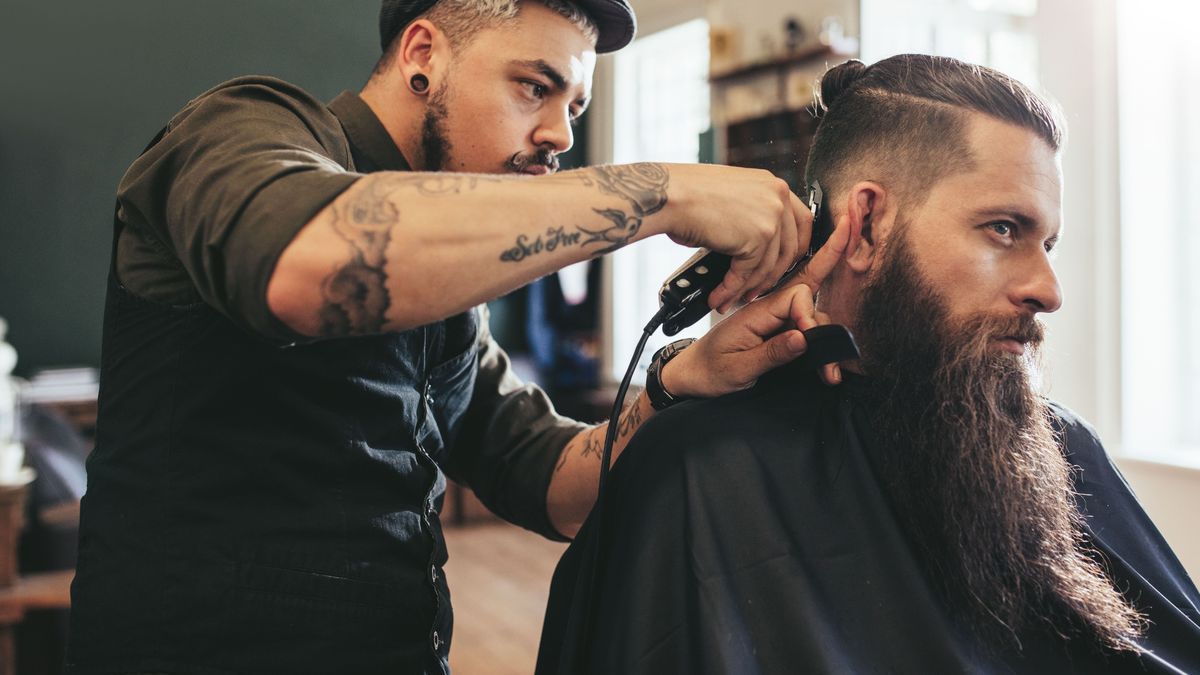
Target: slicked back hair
{"x":903,"y":121}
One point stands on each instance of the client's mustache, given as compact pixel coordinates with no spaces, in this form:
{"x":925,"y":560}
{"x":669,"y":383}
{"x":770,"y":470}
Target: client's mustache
{"x":543,"y":157}
{"x":1022,"y":328}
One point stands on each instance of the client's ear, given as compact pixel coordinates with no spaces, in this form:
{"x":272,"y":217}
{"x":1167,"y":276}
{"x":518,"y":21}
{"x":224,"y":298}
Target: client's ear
{"x":865,"y":207}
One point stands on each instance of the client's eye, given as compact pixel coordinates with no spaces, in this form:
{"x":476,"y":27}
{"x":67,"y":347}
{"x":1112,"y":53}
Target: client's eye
{"x":1002,"y":229}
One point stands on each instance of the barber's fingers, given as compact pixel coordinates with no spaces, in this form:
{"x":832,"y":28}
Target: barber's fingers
{"x":827,"y":257}
{"x":745,"y":272}
{"x":803,"y":220}
{"x":802,"y":309}
{"x":757,"y":242}
{"x":788,"y":250}
{"x":793,"y":309}
{"x":805,"y":315}
{"x":772,"y":313}
{"x":761,"y":279}
{"x":777,"y":351}
{"x":831,"y":373}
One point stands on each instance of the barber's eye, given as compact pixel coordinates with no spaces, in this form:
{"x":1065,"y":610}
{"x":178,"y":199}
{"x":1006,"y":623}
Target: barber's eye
{"x":536,"y":89}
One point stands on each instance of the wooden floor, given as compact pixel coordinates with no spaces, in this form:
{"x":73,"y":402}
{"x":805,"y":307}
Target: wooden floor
{"x":499,"y":576}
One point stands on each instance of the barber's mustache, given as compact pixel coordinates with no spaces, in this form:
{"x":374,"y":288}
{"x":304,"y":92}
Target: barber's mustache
{"x":543,"y":157}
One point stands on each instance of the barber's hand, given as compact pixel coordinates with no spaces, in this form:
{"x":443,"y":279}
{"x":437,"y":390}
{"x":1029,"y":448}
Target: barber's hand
{"x":761,"y":336}
{"x":748,"y":214}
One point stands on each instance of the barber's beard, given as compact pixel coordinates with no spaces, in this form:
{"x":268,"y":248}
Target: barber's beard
{"x":973,"y":468}
{"x":435,"y":145}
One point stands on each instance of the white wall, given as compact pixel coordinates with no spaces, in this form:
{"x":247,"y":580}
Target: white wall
{"x":1169,"y":495}
{"x":1077,"y":45}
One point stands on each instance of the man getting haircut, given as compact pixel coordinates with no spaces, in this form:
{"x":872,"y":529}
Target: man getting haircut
{"x":296,"y":352}
{"x":933,"y":513}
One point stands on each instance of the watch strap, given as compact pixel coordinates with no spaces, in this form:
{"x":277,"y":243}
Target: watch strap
{"x":660,"y":398}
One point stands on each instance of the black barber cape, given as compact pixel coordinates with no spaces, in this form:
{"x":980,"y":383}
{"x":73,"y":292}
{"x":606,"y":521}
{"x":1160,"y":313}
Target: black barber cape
{"x":750,"y":534}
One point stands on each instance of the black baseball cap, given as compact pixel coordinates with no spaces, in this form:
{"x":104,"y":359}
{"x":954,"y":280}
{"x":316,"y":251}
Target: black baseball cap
{"x":614,"y":20}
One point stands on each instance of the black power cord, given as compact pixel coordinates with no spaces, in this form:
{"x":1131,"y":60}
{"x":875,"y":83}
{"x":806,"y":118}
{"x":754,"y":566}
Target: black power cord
{"x":611,"y":435}
{"x":589,"y":584}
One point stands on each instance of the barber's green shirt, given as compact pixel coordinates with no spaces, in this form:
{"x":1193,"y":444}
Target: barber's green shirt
{"x":242,"y":168}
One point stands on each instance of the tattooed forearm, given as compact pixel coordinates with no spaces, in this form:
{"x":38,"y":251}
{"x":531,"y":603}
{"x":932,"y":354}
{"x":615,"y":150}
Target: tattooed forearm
{"x":630,"y":420}
{"x":435,"y":184}
{"x":593,"y":439}
{"x":643,"y":185}
{"x":554,"y":238}
{"x":356,"y":296}
{"x":593,"y":445}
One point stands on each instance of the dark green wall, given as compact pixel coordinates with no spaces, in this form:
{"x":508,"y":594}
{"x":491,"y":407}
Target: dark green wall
{"x":83,"y":86}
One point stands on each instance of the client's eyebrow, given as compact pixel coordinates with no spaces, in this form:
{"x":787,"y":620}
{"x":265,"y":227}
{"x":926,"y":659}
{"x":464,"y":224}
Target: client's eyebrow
{"x":1023,"y":219}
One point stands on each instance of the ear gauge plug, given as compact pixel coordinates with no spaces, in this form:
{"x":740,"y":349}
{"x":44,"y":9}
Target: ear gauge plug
{"x":419,"y":84}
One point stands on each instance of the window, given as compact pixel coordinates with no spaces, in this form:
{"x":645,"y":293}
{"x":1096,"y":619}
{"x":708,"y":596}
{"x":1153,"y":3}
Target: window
{"x":993,"y":33}
{"x":660,"y":108}
{"x":1158,"y":73}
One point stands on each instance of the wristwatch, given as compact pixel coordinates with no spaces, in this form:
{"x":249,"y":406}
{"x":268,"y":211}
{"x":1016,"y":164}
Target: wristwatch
{"x":660,"y":398}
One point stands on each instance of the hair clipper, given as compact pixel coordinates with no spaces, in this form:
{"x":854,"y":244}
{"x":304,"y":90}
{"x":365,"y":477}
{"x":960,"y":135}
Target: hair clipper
{"x":688,"y":288}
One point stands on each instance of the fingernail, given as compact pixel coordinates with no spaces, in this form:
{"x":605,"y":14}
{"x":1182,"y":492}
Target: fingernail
{"x":837,"y":374}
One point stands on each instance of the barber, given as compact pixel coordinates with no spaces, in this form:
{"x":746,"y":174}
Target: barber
{"x":295,"y":353}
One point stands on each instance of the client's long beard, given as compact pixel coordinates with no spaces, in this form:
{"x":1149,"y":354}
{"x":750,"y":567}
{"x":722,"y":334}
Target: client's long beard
{"x":973,"y":468}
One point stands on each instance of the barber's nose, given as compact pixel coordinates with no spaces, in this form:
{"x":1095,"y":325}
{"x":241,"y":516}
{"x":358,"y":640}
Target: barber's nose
{"x":1040,"y":291}
{"x":555,"y":132}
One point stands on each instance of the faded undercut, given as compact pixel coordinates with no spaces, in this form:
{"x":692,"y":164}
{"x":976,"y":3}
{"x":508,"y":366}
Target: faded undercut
{"x":903,"y":121}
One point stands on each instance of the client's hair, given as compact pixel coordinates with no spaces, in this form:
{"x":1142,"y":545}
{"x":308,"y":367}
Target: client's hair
{"x":902,"y":121}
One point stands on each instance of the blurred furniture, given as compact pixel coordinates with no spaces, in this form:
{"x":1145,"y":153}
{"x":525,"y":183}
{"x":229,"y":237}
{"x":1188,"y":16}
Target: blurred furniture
{"x":37,"y":565}
{"x":19,"y":594}
{"x":762,"y":112}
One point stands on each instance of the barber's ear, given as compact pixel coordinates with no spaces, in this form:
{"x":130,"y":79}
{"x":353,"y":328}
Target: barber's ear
{"x":420,"y":50}
{"x":865,"y":206}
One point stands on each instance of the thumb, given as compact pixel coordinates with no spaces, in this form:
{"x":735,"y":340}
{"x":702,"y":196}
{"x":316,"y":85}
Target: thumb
{"x":779,"y":350}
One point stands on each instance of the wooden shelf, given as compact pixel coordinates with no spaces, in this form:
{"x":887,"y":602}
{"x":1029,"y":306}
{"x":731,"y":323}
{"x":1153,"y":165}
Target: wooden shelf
{"x":795,"y":58}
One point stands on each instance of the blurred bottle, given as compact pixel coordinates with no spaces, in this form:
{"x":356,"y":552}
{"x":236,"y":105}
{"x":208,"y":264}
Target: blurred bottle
{"x":12,"y":453}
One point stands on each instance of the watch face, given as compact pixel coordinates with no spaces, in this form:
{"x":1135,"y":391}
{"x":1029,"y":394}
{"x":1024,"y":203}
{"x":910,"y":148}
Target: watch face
{"x":676,"y":347}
